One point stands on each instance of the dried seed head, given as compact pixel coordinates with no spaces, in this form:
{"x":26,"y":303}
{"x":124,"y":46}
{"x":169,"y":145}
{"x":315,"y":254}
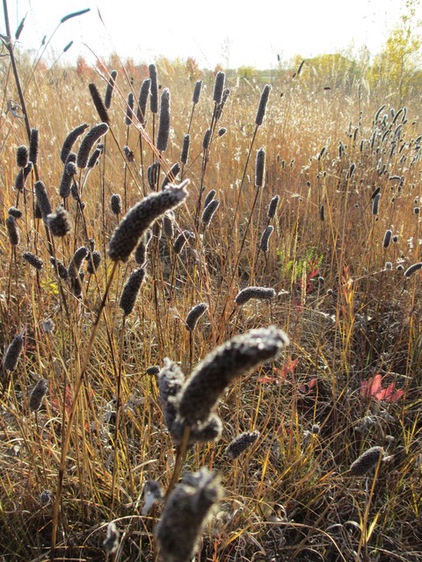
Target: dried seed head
{"x":387,"y":238}
{"x":70,"y":141}
{"x":96,"y":132}
{"x":196,"y":92}
{"x":195,"y":314}
{"x":153,"y":175}
{"x":111,"y":542}
{"x":218,"y":87}
{"x":164,"y":123}
{"x":116,"y":204}
{"x":58,"y":222}
{"x":110,"y":88}
{"x":142,"y":100}
{"x":366,"y":461}
{"x":170,"y":382}
{"x":12,"y":230}
{"x":185,"y":513}
{"x":33,"y":260}
{"x":209,"y":212}
{"x":153,"y":492}
{"x":222,"y":131}
{"x":181,"y":240}
{"x":376,"y":203}
{"x":202,"y":390}
{"x":94,"y":260}
{"x":209,"y":197}
{"x":260,"y":168}
{"x":206,"y":139}
{"x":22,"y":156}
{"x":37,"y":395}
{"x":59,"y":267}
{"x":129,"y":109}
{"x":42,"y":199}
{"x":272,"y":207}
{"x":67,"y":177}
{"x":76,"y":262}
{"x":95,"y":157}
{"x":20,"y":180}
{"x":154,"y":88}
{"x":14,"y":212}
{"x":412,"y":269}
{"x":99,"y":105}
{"x":131,"y":289}
{"x":140,"y":218}
{"x":265,"y":238}
{"x":141,"y":249}
{"x":33,"y":146}
{"x":241,"y":443}
{"x":168,"y":225}
{"x":185,"y":149}
{"x":260,"y":293}
{"x":262,"y":105}
{"x":152,"y":370}
{"x":11,"y":357}
{"x":172,"y":175}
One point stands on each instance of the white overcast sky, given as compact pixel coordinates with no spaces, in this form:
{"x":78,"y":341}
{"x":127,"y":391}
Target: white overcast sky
{"x":230,"y":32}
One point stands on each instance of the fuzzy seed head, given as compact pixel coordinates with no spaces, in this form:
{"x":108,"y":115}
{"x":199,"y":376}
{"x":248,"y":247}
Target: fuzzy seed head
{"x":42,"y":199}
{"x":412,"y":269}
{"x":59,"y":268}
{"x":265,"y":238}
{"x":154,"y":88}
{"x":95,"y":133}
{"x":12,"y":230}
{"x":218,"y":87}
{"x":110,"y":88}
{"x":260,"y":293}
{"x":76,"y":262}
{"x":131,"y":290}
{"x":260,"y":168}
{"x":196,"y":92}
{"x":195,"y":314}
{"x":33,"y":146}
{"x":94,"y":260}
{"x":99,"y":105}
{"x":58,"y":222}
{"x":366,"y":461}
{"x":11,"y":357}
{"x":140,"y":217}
{"x":164,"y":123}
{"x":116,"y":204}
{"x":37,"y":395}
{"x":22,"y":156}
{"x":220,"y":367}
{"x":185,"y":149}
{"x":262,"y":105}
{"x":181,"y":240}
{"x":33,"y":260}
{"x":209,"y":212}
{"x":209,"y":197}
{"x":142,"y":100}
{"x":272,"y":207}
{"x":241,"y":443}
{"x":70,"y":141}
{"x":185,"y":514}
{"x":14,"y":212}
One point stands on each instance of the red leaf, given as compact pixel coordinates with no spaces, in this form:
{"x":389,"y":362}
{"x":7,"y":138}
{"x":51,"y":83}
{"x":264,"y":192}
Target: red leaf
{"x":372,"y":388}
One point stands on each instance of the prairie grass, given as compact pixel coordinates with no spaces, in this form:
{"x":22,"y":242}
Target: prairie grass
{"x":74,"y":468}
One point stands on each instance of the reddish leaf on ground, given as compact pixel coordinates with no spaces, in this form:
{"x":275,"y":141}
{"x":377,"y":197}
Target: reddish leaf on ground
{"x":372,"y":388}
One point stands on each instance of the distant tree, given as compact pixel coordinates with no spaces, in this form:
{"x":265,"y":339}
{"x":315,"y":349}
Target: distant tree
{"x":395,"y":67}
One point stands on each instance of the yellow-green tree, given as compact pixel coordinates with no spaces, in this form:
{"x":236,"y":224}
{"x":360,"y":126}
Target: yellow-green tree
{"x":394,"y":69}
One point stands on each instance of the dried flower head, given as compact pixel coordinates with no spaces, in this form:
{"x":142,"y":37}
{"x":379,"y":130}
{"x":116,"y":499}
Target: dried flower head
{"x":140,"y":217}
{"x":11,"y":357}
{"x":33,"y":260}
{"x":209,"y":197}
{"x":153,"y":492}
{"x":94,"y":260}
{"x":218,"y":87}
{"x":58,"y":222}
{"x":76,"y":262}
{"x":42,"y":199}
{"x":260,"y":168}
{"x":164,"y":122}
{"x":110,"y":88}
{"x":196,"y":92}
{"x":22,"y":156}
{"x":99,"y":105}
{"x":202,"y":390}
{"x":262,"y":105}
{"x":185,"y":514}
{"x":181,"y":240}
{"x":185,"y":149}
{"x":116,"y":204}
{"x":131,"y":290}
{"x":412,"y":269}
{"x":241,"y":443}
{"x":209,"y":212}
{"x":96,"y":132}
{"x":272,"y":207}
{"x":37,"y":395}
{"x":265,"y":239}
{"x":12,"y":230}
{"x":260,"y":293}
{"x":33,"y":146}
{"x":195,"y":314}
{"x":154,"y":88}
{"x":70,"y":141}
{"x":14,"y":212}
{"x":172,"y":175}
{"x":141,"y":249}
{"x":366,"y":461}
{"x":142,"y":100}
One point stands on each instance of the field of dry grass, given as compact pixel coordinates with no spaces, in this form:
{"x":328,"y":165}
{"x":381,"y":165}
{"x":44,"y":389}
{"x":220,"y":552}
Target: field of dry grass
{"x":318,"y":197}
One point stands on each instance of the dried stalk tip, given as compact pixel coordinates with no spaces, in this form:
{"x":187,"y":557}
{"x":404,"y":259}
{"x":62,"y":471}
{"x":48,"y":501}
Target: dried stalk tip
{"x":37,"y":395}
{"x":202,"y":390}
{"x":140,"y":217}
{"x":186,"y":512}
{"x":260,"y":293}
{"x":241,"y":443}
{"x":366,"y":461}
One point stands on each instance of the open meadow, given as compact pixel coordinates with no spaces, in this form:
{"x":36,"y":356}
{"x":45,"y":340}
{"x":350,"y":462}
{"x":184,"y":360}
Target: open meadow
{"x":259,"y":230}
